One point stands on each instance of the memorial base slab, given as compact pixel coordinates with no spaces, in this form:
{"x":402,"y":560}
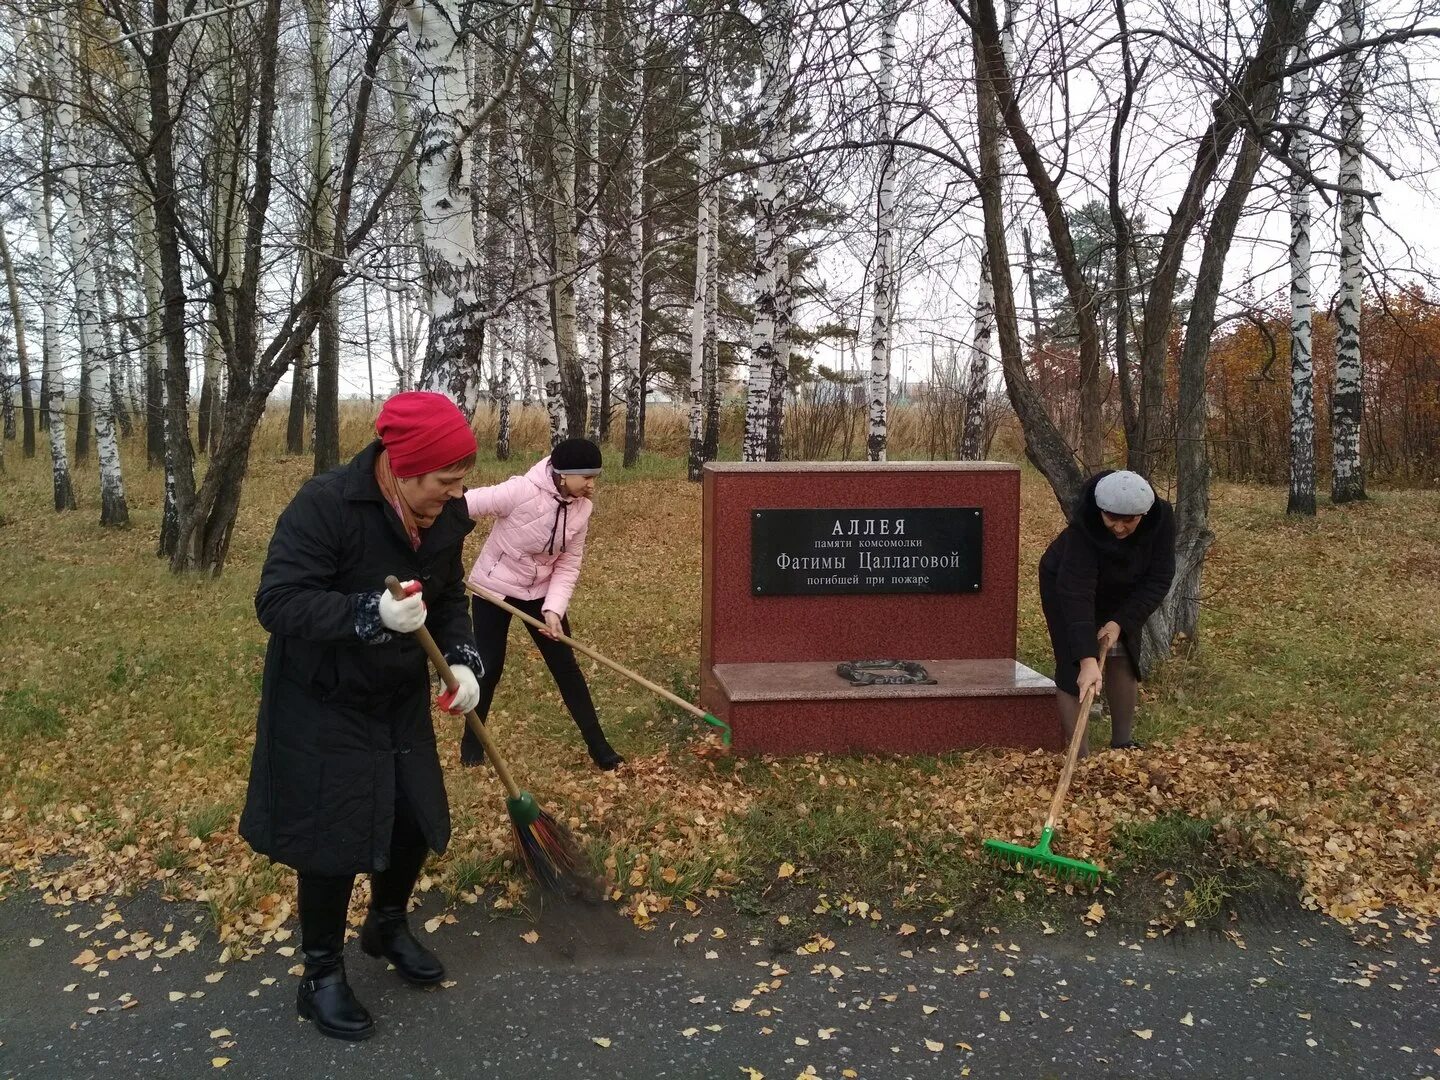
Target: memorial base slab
{"x":805,"y":707}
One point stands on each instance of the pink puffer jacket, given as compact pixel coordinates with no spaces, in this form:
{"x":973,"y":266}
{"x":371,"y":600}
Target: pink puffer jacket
{"x":538,"y":540}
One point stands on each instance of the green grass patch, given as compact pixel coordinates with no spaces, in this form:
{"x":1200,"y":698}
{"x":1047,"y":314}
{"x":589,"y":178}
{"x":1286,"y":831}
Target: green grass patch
{"x":27,"y":713}
{"x":1164,"y":842}
{"x":205,"y":821}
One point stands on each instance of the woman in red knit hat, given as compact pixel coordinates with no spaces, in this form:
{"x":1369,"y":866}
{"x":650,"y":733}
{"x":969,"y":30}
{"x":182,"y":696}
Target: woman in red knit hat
{"x":345,"y":779}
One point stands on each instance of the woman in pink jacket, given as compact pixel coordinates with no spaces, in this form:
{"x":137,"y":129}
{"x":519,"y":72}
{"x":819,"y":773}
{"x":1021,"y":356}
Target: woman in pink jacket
{"x":532,"y":558}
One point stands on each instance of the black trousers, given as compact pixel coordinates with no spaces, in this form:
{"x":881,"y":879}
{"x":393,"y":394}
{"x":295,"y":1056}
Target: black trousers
{"x":492,"y":628}
{"x":325,"y":900}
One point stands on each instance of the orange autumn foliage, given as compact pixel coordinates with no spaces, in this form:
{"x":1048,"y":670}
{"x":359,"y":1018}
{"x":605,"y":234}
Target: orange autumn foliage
{"x":1249,"y":392}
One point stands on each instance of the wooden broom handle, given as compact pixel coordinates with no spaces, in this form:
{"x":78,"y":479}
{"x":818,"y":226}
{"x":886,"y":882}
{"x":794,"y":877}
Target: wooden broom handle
{"x":437,"y":658}
{"x":1077,"y":740}
{"x":500,"y":602}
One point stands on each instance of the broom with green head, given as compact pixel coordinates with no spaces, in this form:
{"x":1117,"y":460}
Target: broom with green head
{"x":1040,"y":857}
{"x":547,"y":848}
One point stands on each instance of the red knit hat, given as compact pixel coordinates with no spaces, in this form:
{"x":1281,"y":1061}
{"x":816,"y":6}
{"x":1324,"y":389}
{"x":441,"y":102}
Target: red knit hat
{"x":423,"y":432}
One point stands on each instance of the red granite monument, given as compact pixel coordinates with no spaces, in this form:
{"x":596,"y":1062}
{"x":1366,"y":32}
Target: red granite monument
{"x":810,"y":565}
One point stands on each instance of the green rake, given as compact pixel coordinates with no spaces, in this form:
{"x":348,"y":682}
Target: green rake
{"x":1040,"y":857}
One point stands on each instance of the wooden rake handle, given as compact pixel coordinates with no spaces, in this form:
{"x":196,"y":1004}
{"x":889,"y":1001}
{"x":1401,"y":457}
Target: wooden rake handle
{"x":437,"y":660}
{"x":500,"y":602}
{"x":1077,"y":740}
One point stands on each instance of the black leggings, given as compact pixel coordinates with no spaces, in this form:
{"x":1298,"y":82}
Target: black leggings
{"x":324,"y":899}
{"x":492,"y":628}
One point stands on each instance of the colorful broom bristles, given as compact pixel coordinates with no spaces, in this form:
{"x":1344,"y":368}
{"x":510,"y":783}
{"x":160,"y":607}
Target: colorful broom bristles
{"x":553,"y":857}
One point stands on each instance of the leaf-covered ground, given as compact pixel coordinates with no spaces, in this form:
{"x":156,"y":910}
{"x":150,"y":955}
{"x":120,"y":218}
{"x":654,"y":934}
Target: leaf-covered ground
{"x":1301,"y":735}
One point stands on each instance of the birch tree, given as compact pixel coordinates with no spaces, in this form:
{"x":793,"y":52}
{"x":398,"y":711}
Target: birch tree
{"x":773,"y":119}
{"x":446,"y":116}
{"x":54,"y":395}
{"x":565,"y":113}
{"x":712,"y":383}
{"x":883,"y":300}
{"x":592,"y":238}
{"x":699,"y":305}
{"x":635,"y":252}
{"x":1302,"y":374}
{"x":1347,"y":479}
{"x":982,"y":349}
{"x":113,"y":510}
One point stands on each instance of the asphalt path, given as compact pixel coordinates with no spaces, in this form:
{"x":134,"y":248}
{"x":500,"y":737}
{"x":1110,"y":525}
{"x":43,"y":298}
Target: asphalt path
{"x":593,"y":996}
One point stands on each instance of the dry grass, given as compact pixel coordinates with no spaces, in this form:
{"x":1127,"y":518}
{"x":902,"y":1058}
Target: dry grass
{"x":1302,"y":730}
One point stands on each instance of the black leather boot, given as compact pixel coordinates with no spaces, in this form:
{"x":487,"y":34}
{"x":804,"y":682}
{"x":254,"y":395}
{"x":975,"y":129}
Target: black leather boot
{"x":325,"y":997}
{"x":386,"y":932}
{"x":605,"y":757}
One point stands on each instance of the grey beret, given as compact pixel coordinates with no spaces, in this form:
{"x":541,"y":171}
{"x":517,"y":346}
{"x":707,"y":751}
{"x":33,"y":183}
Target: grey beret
{"x":1124,"y":493}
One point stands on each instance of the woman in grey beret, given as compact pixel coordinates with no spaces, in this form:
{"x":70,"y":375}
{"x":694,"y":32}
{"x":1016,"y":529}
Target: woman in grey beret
{"x":1100,"y":579}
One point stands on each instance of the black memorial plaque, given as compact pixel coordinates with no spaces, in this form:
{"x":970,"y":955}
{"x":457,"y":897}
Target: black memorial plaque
{"x":929,"y":549}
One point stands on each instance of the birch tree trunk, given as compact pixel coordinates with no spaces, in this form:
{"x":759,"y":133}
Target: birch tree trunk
{"x":635,"y":254}
{"x":972,"y":435}
{"x":780,"y":366}
{"x":1347,"y":480}
{"x":327,"y":368}
{"x":566,"y":118}
{"x":699,"y":305}
{"x":769,"y":242}
{"x":1302,"y":368}
{"x":883,"y":298}
{"x":54,"y":394}
{"x":443,"y":178}
{"x":712,"y":307}
{"x":27,"y":404}
{"x":593,"y":240}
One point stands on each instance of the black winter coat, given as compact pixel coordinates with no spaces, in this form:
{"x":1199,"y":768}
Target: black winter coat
{"x":1089,"y":578}
{"x":345,"y":705}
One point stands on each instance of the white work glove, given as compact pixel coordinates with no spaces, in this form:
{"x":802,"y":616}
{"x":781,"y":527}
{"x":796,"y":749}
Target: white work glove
{"x":466,"y":694}
{"x":403,"y":616}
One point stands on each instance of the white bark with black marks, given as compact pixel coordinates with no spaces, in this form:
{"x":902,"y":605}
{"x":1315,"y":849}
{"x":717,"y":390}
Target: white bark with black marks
{"x":635,"y":252}
{"x":1347,"y":481}
{"x":443,"y":177}
{"x":699,"y":305}
{"x":982,"y":350}
{"x":1302,"y":367}
{"x":113,"y":510}
{"x":591,"y":236}
{"x":773,"y":121}
{"x":883,"y":299}
{"x":565,"y":113}
{"x":712,"y":310}
{"x":64,"y":491}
